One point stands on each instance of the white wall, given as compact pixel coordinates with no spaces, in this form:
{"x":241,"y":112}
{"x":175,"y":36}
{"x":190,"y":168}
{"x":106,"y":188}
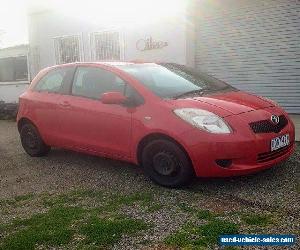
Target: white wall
{"x":10,"y":93}
{"x":170,"y":31}
{"x":44,"y":26}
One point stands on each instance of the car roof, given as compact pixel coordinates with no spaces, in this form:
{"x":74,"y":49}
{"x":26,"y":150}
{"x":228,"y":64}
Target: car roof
{"x":108,"y":63}
{"x":112,"y":64}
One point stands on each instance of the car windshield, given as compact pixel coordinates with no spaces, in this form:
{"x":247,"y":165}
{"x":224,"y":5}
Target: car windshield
{"x":172,"y":80}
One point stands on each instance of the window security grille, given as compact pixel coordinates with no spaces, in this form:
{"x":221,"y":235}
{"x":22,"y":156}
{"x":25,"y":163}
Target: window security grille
{"x":68,"y":49}
{"x":106,"y":46}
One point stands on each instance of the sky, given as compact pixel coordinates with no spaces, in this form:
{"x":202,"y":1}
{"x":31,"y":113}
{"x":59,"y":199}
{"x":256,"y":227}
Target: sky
{"x":13,"y":22}
{"x":13,"y":13}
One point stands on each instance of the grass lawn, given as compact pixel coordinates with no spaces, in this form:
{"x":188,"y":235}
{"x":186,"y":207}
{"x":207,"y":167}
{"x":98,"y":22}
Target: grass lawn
{"x":87,"y":219}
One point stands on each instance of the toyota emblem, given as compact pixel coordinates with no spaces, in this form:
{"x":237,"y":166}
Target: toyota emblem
{"x":275,"y":119}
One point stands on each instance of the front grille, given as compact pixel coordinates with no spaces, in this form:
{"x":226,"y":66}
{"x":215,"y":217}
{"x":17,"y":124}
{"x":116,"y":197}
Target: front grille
{"x":267,"y":126}
{"x":263,"y":157}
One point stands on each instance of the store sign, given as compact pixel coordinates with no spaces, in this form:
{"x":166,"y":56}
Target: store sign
{"x":150,"y":44}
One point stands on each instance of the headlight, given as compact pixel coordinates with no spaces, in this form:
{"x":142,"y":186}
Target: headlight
{"x":204,"y":120}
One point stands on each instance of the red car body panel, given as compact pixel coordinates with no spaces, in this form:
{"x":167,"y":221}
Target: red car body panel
{"x":115,"y":131}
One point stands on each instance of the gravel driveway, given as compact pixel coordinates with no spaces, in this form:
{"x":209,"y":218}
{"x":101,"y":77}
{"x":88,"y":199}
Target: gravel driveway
{"x":277,"y":189}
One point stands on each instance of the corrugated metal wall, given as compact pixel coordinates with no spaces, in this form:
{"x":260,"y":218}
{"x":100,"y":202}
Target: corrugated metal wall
{"x":253,"y":45}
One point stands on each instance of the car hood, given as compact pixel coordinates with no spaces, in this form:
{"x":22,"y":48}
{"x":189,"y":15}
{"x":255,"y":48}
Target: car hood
{"x":224,"y":104}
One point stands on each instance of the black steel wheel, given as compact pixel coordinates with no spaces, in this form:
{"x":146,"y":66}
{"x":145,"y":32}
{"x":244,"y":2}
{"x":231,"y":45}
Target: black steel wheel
{"x":32,"y":141}
{"x":166,"y":163}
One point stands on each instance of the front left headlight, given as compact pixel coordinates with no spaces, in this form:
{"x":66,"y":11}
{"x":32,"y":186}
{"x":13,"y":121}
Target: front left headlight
{"x":204,"y":120}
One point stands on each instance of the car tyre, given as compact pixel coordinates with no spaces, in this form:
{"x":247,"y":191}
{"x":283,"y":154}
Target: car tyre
{"x":166,"y":163}
{"x":32,"y":142}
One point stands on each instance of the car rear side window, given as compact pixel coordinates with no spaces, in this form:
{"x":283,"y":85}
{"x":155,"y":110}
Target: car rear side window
{"x":52,"y":81}
{"x":92,"y":82}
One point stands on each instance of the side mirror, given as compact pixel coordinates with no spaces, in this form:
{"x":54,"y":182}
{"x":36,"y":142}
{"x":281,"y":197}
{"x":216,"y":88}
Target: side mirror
{"x":113,"y":98}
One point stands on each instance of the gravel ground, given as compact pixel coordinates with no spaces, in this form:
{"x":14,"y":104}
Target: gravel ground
{"x":277,"y":189}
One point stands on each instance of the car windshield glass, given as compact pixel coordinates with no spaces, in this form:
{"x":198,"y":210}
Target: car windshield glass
{"x":172,"y":80}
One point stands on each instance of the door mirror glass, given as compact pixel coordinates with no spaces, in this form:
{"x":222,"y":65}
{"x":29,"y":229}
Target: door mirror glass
{"x":113,"y":98}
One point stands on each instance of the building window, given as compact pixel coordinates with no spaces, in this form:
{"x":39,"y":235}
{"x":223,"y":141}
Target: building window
{"x":68,"y":49}
{"x":13,"y":69}
{"x":106,"y":46}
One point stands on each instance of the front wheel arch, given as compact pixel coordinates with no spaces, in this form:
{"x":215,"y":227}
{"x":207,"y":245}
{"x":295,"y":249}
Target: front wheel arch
{"x":156,"y":136}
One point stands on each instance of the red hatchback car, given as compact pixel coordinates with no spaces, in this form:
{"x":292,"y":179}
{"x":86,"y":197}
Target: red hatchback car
{"x":173,"y":121}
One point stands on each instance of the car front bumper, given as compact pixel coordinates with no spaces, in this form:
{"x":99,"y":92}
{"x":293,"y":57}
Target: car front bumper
{"x":245,"y":151}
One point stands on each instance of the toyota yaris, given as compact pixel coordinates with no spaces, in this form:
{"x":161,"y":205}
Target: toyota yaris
{"x":171,"y":120}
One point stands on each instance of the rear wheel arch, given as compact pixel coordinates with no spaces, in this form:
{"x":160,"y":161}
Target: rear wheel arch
{"x":156,"y":136}
{"x":24,"y":121}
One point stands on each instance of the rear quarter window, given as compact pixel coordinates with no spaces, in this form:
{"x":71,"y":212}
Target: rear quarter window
{"x":54,"y":80}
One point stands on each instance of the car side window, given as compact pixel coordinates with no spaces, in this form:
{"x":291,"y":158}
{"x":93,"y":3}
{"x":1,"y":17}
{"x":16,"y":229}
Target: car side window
{"x":52,"y":81}
{"x":92,"y":82}
{"x":133,"y":95}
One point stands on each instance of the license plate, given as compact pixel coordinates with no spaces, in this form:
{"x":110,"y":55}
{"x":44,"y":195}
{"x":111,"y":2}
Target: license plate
{"x":280,"y":142}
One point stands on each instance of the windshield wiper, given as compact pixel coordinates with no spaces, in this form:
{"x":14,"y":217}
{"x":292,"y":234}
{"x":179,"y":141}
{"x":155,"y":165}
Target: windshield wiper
{"x":195,"y":91}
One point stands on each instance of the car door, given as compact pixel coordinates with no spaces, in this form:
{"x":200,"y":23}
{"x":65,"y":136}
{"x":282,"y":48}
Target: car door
{"x":88,"y":124}
{"x":45,"y":103}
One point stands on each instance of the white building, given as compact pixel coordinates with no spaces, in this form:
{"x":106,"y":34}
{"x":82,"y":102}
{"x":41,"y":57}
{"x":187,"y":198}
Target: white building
{"x":251,"y":44}
{"x":55,"y":39}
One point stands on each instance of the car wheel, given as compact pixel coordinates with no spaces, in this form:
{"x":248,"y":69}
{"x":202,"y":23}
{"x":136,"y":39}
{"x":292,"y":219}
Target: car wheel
{"x":166,"y":163}
{"x":32,"y":141}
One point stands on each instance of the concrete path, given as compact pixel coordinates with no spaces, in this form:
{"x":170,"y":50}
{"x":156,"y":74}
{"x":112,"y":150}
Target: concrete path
{"x":296,"y":120}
